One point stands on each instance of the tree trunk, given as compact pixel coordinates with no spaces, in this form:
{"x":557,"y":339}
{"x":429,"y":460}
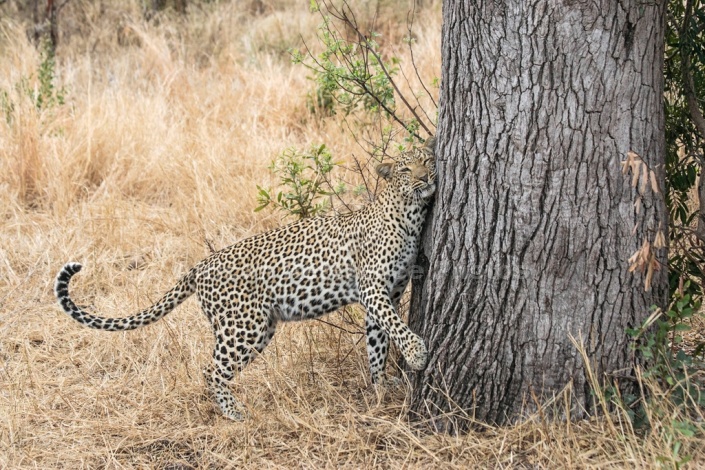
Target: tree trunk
{"x":53,"y":16}
{"x":534,"y":222}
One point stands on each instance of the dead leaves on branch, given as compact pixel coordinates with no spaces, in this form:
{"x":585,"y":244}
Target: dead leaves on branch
{"x":644,"y":260}
{"x":644,"y":179}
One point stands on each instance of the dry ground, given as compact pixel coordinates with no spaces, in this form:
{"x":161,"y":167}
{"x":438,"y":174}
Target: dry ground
{"x":166,"y":130}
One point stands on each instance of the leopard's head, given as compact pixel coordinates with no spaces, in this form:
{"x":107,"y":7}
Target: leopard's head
{"x":414,"y":172}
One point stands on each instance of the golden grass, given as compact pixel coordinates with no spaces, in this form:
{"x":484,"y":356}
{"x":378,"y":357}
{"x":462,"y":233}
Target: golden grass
{"x":167,"y":129}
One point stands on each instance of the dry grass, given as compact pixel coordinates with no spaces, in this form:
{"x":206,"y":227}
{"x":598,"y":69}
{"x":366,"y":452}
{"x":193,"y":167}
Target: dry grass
{"x":166,"y":130}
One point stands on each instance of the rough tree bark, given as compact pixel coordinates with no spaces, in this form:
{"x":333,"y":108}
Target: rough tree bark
{"x":533,"y":221}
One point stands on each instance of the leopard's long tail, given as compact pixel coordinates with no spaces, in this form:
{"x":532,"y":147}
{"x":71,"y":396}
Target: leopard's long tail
{"x":183,"y":289}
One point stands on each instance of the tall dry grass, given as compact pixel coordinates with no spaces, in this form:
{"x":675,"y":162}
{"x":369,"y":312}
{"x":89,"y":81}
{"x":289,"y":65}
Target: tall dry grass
{"x":166,"y":130}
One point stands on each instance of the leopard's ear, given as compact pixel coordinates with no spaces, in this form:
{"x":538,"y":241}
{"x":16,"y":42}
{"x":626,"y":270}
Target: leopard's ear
{"x":385,"y":170}
{"x":430,"y":144}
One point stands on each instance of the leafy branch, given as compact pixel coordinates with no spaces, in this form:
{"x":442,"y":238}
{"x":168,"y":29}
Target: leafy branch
{"x":304,"y":177}
{"x":353,"y":72}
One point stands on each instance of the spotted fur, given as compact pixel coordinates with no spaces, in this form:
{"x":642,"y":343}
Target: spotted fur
{"x":300,"y":271}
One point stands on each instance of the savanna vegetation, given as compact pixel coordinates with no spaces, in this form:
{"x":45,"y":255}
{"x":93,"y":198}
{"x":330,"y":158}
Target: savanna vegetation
{"x":136,"y":137}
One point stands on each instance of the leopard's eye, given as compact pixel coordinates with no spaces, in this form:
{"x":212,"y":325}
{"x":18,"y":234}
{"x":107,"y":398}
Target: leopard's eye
{"x":404,"y":169}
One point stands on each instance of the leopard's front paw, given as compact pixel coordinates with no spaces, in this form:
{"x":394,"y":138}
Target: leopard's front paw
{"x":416,"y":354}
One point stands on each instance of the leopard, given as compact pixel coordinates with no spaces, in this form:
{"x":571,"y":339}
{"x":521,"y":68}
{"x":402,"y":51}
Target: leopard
{"x":301,"y":271}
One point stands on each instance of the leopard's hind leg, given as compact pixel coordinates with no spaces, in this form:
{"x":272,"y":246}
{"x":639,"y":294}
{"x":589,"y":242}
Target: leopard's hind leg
{"x":237,"y":341}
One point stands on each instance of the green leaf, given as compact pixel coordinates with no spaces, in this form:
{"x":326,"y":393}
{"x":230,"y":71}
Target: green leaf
{"x":684,"y":428}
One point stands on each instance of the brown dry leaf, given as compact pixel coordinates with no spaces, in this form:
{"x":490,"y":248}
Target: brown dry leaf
{"x":654,"y":183}
{"x":653,"y":265}
{"x":641,"y":174}
{"x":633,"y":261}
{"x":644,"y":179}
{"x":646,"y":247}
{"x":636,"y":166}
{"x":644,"y":260}
{"x":628,"y":164}
{"x":660,"y":239}
{"x":638,"y":261}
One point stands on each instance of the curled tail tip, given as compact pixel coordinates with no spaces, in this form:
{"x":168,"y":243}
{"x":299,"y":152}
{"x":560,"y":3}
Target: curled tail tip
{"x":62,"y":279}
{"x":72,"y":267}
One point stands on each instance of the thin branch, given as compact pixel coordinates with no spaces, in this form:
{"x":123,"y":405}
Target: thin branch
{"x":363,"y":40}
{"x":62,"y":5}
{"x":345,"y":18}
{"x":418,"y":103}
{"x":688,"y":85}
{"x":687,"y":248}
{"x":333,"y":192}
{"x":362,"y":84}
{"x":359,"y":167}
{"x":693,"y":108}
{"x":340,"y":327}
{"x":410,"y":24}
{"x":416,"y":98}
